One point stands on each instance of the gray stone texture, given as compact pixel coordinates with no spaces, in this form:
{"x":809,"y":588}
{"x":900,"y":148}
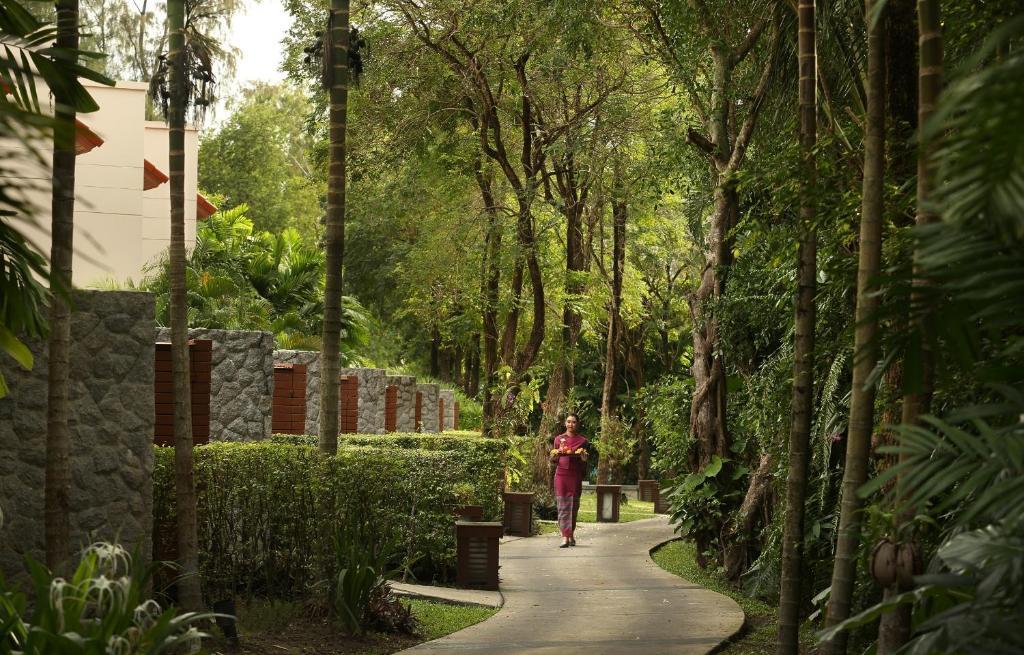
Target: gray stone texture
{"x":449,"y":408}
{"x":429,"y":408}
{"x":371,"y":398}
{"x":241,"y":382}
{"x":111,"y":420}
{"x":406,"y":414}
{"x":311,"y":359}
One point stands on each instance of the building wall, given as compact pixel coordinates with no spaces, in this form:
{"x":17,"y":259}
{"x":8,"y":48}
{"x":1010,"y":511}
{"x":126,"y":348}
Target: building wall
{"x":406,"y":414}
{"x":241,"y":382}
{"x":119,"y":228}
{"x":429,"y":414}
{"x":155,"y":219}
{"x":111,"y":422}
{"x":311,"y":359}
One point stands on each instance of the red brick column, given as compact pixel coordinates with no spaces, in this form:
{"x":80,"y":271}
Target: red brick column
{"x":200,"y":355}
{"x":419,"y":410}
{"x":348,"y":418}
{"x":440,"y":414}
{"x":289,"y":406}
{"x":391,"y":408}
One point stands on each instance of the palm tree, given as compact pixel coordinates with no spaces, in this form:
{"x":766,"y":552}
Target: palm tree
{"x":862,"y":400}
{"x":336,"y":56}
{"x":803,"y":348}
{"x":58,"y":437}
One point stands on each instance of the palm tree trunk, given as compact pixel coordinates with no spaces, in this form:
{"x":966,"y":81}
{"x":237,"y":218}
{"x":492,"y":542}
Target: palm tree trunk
{"x":895,"y":627}
{"x":335,"y":245}
{"x":58,"y":435}
{"x":865,"y":340}
{"x":606,"y":468}
{"x":803,"y":347}
{"x":189,"y":589}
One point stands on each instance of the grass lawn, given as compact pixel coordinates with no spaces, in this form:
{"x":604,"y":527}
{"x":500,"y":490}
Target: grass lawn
{"x":761,"y":635}
{"x":634,"y":510}
{"x":280,"y":628}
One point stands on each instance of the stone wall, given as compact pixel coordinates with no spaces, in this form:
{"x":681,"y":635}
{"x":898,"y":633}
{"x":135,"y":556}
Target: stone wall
{"x":311,"y":359}
{"x":406,"y":414}
{"x":449,"y":408}
{"x":241,"y":382}
{"x":429,"y":409}
{"x":372,"y":382}
{"x":111,"y":420}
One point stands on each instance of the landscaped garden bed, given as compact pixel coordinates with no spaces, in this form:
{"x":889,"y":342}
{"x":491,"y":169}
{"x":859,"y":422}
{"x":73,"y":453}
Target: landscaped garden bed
{"x":280,"y":627}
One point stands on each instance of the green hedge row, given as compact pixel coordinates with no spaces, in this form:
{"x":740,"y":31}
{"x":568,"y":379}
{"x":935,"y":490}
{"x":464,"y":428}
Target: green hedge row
{"x":455,"y":440}
{"x":269,"y":512}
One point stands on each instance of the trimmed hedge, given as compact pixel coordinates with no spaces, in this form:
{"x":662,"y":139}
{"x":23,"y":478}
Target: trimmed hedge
{"x":458,"y":440}
{"x":269,"y":512}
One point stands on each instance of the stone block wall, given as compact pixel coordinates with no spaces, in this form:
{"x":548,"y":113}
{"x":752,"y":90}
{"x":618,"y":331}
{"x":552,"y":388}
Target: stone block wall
{"x":111,"y":419}
{"x":406,"y":415}
{"x":311,"y":360}
{"x":449,"y":408}
{"x":372,"y":382}
{"x":242,"y":382}
{"x":430,"y":394}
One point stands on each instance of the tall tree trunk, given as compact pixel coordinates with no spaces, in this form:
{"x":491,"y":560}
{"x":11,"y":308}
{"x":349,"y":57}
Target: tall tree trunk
{"x":803,"y":346}
{"x":862,"y":399}
{"x":189,"y":588}
{"x":605,"y":465}
{"x":335,"y":241}
{"x":58,"y":435}
{"x":492,"y":279}
{"x":895,"y":627}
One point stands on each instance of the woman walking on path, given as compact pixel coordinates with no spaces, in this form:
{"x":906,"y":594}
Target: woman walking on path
{"x":570,"y":454}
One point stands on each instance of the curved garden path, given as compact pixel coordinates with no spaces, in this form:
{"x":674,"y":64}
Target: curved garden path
{"x":603,"y":597}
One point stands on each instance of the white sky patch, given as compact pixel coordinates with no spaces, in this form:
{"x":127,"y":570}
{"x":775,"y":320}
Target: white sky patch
{"x":256,"y":31}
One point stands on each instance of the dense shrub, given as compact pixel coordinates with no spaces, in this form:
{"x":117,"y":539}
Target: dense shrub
{"x":457,"y":440}
{"x":268,"y":512}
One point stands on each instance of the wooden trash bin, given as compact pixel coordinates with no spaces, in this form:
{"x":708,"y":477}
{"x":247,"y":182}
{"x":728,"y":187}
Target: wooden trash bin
{"x":469,"y":512}
{"x":518,"y":514}
{"x":647,"y":490}
{"x":608,"y":498}
{"x":477,"y":554}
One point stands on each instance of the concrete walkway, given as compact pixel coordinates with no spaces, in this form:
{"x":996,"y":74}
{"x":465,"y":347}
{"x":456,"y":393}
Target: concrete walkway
{"x":603,"y":597}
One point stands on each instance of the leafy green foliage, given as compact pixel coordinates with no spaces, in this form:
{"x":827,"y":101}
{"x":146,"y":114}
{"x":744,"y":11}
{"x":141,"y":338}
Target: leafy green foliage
{"x":289,"y":501}
{"x":265,"y":136}
{"x":102,"y":608}
{"x":240,"y":278}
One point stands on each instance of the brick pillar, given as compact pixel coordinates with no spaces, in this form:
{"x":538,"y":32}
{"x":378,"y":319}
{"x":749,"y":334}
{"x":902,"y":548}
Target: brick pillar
{"x":348,"y":418}
{"x":455,"y":423}
{"x":419,"y":411}
{"x":289,"y":406}
{"x":440,"y":414}
{"x":391,"y":408}
{"x":200,"y":353}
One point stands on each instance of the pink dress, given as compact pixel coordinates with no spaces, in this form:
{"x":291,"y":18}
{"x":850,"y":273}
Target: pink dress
{"x":569,"y":481}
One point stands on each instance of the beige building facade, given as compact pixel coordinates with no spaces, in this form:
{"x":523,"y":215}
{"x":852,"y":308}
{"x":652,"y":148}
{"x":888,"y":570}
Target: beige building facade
{"x":122,"y":206}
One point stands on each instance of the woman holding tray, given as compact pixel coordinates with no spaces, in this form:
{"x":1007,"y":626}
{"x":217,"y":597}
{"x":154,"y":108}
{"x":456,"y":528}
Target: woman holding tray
{"x":569,"y":452}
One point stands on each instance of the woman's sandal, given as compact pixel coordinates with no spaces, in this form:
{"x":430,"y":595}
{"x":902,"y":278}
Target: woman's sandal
{"x":565,"y":545}
{"x":572,"y":542}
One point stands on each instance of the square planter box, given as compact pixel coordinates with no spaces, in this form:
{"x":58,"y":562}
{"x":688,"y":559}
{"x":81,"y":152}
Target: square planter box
{"x":647,"y":490}
{"x":518,"y":514}
{"x":661,"y":501}
{"x":477,"y":554}
{"x":608,"y":497}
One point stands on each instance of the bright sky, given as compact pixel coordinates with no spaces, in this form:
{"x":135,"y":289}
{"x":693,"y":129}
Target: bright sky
{"x":256,"y":31}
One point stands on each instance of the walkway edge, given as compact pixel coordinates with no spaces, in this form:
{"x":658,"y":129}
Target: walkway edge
{"x":740,"y":631}
{"x":493,"y":599}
